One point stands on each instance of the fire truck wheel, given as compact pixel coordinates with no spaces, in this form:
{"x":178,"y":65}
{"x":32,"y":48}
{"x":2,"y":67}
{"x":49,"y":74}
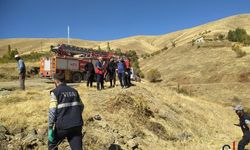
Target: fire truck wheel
{"x":77,"y":77}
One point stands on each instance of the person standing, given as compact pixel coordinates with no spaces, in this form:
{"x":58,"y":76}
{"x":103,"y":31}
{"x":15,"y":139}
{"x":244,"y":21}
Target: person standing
{"x":121,"y":72}
{"x":127,"y":71}
{"x":90,"y":73}
{"x":111,"y":71}
{"x":244,"y":124}
{"x":65,"y":115}
{"x":99,"y":74}
{"x":22,"y":71}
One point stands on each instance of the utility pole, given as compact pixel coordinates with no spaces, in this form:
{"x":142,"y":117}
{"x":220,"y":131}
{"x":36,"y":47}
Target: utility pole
{"x":68,"y":34}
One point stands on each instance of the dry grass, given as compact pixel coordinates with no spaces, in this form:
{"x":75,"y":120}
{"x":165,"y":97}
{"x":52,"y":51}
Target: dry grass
{"x":201,"y":119}
{"x":177,"y":122}
{"x":153,"y":116}
{"x":21,"y":110}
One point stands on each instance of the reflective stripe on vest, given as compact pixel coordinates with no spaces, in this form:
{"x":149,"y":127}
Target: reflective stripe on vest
{"x":63,"y":105}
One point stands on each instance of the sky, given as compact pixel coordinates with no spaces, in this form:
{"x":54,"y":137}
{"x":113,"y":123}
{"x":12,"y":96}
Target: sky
{"x":103,"y":20}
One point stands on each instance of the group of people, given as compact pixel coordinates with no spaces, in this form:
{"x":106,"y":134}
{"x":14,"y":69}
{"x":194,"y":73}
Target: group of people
{"x":65,"y":110}
{"x":120,"y":67}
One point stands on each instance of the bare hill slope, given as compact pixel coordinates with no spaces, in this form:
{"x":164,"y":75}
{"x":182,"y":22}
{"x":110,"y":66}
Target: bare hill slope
{"x":142,"y":44}
{"x":210,"y":72}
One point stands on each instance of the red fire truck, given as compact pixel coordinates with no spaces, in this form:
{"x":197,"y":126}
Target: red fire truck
{"x":66,"y":62}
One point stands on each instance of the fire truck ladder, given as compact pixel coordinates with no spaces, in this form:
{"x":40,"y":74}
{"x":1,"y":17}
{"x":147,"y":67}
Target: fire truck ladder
{"x":70,"y":50}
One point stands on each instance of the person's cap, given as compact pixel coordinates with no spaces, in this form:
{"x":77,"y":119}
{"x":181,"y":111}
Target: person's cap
{"x":59,"y":76}
{"x":16,"y":56}
{"x":238,"y":108}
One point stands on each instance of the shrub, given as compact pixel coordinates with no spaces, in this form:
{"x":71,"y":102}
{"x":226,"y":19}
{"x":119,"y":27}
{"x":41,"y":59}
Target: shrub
{"x":239,"y":35}
{"x":239,"y":52}
{"x":153,"y":75}
{"x":142,"y":55}
{"x":9,"y":56}
{"x":181,"y":90}
{"x":118,"y":51}
{"x":141,"y":74}
{"x":156,"y":53}
{"x":193,"y":42}
{"x":164,"y":48}
{"x":247,"y":40}
{"x":134,"y":60}
{"x":173,"y":43}
{"x":33,"y":56}
{"x":221,"y":36}
{"x":247,"y":110}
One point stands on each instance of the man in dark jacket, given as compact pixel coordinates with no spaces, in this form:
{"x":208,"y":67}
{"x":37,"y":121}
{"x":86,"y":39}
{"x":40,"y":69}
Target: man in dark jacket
{"x":111,"y":72}
{"x":22,"y":71}
{"x":90,"y":73}
{"x":65,"y":115}
{"x":244,"y":123}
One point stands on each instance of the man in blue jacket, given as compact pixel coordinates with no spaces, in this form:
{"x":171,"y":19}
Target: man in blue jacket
{"x":65,"y":115}
{"x":21,"y":70}
{"x":121,"y":72}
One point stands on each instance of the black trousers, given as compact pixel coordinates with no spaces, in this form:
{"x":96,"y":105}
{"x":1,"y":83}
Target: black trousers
{"x":99,"y":81}
{"x":73,"y":135}
{"x":122,"y":80}
{"x":90,"y":78}
{"x":112,"y":78}
{"x":127,"y":77}
{"x":243,"y":142}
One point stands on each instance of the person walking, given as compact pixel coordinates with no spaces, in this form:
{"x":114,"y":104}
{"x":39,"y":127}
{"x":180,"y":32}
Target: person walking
{"x":111,"y":72}
{"x":244,"y":124}
{"x":90,"y":73}
{"x":65,"y":115}
{"x":22,"y":71}
{"x":99,"y":74}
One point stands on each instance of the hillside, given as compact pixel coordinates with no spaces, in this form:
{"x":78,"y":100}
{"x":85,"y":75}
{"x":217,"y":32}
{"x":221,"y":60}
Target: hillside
{"x":209,"y":72}
{"x":142,"y":44}
{"x":146,"y":116}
